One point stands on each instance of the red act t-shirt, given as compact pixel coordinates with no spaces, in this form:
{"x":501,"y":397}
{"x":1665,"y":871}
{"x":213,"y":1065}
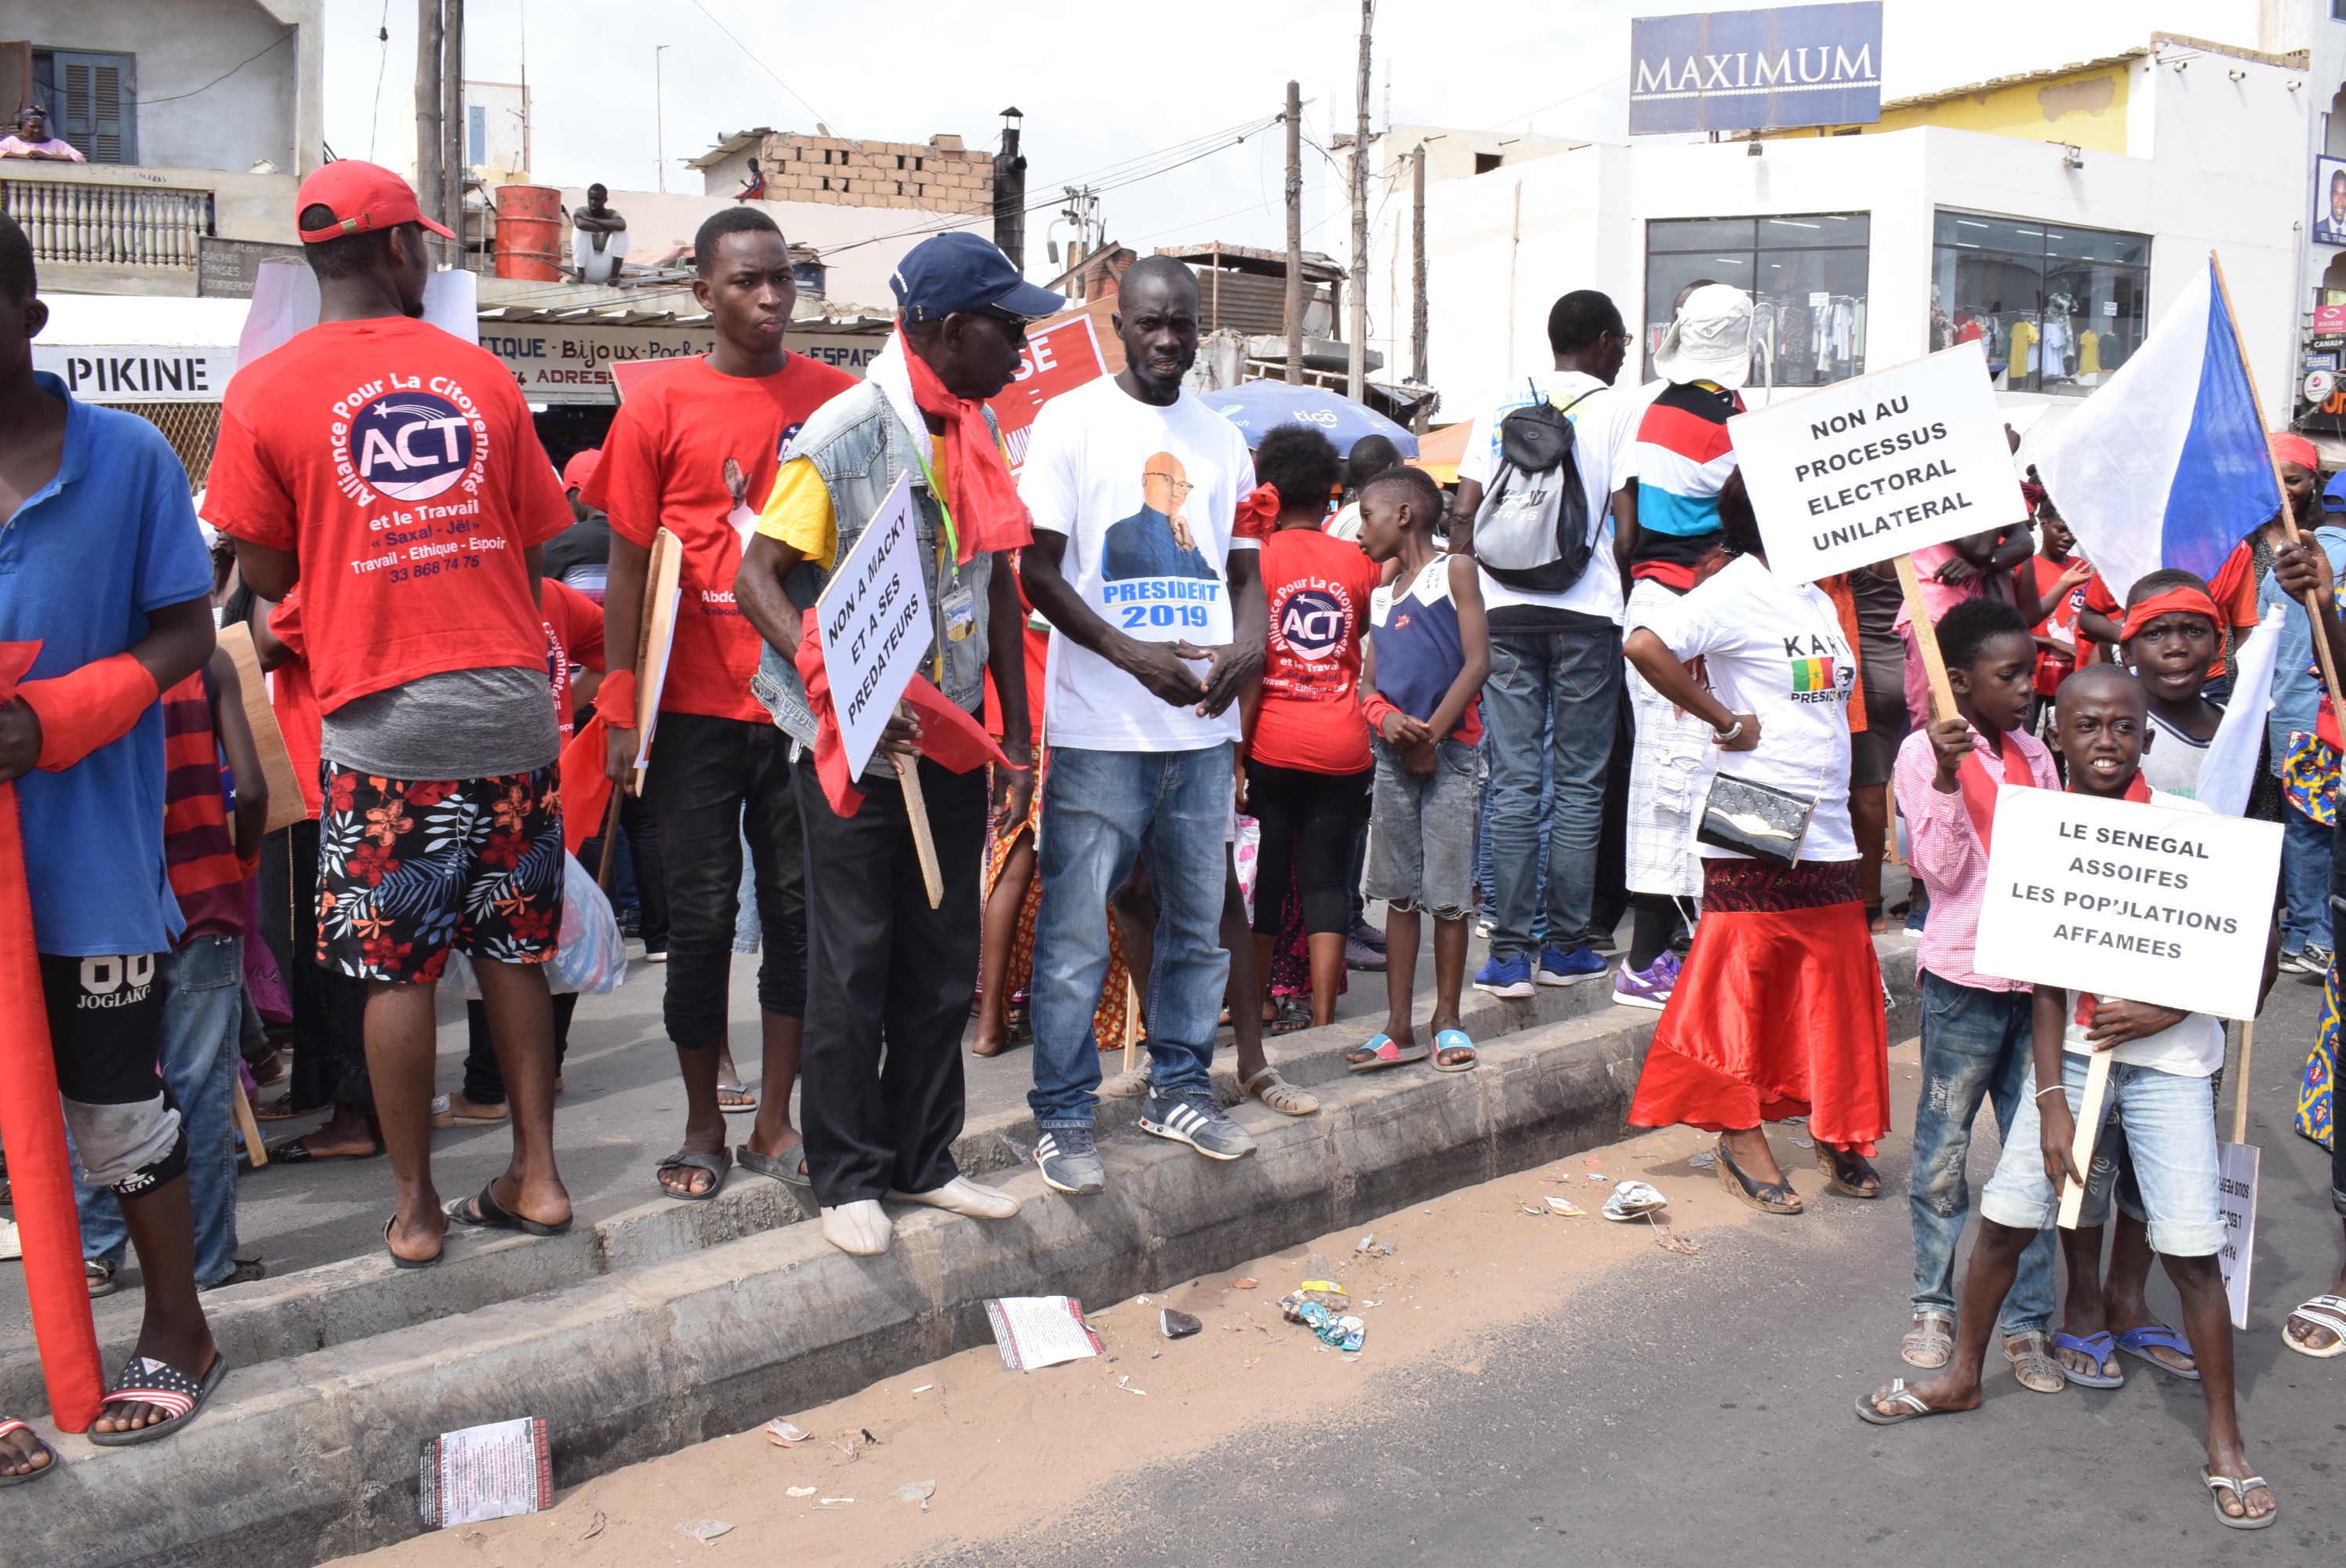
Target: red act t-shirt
{"x":1319,"y":589}
{"x":400,"y":463}
{"x":666,"y":465}
{"x":574,"y":638}
{"x":298,"y":719}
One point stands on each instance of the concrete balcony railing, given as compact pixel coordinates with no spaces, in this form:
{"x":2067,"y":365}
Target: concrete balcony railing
{"x":84,"y":221}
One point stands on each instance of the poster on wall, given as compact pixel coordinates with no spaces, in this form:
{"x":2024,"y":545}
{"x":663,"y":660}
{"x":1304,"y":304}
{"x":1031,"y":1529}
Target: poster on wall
{"x":2330,"y":202}
{"x":1756,"y":70}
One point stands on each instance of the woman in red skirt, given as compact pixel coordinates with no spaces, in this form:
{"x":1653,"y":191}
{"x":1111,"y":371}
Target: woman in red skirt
{"x":1778,"y":1011}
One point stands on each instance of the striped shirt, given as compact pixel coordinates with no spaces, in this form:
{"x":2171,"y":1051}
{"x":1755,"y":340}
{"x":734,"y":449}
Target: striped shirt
{"x":198,"y":851}
{"x":1683,"y":456}
{"x":1945,"y":850}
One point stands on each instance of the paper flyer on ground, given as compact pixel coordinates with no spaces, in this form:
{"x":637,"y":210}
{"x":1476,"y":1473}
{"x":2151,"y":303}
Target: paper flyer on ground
{"x":1034,"y":1331}
{"x":491,"y":1472}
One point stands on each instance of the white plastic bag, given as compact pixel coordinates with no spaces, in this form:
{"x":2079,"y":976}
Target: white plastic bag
{"x":592,"y":958}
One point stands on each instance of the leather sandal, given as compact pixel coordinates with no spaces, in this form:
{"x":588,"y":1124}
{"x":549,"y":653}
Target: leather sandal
{"x":1847,"y":1171}
{"x":1776,"y":1198}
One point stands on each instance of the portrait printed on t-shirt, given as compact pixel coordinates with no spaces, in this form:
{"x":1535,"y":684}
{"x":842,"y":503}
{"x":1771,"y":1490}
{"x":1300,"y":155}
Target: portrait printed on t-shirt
{"x":1155,"y":581}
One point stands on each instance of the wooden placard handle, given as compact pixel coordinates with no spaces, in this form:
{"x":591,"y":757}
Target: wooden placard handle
{"x":916,"y":810}
{"x":2240,"y":1084}
{"x":1926,"y":638}
{"x":2089,"y":1126}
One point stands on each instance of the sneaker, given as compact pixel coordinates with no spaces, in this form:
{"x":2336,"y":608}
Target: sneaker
{"x":1569,"y":966}
{"x":1070,"y":1161}
{"x":1364,"y":932}
{"x":1197,"y":1120}
{"x":100,"y":1275}
{"x":1358,"y":954}
{"x":2316,"y":957}
{"x":2294,"y":963}
{"x":1509,"y":976}
{"x":1649,"y":987}
{"x":658,"y":957}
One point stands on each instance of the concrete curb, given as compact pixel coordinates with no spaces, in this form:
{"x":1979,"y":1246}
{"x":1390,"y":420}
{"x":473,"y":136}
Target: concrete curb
{"x":358,"y":1299}
{"x":313,"y":1455}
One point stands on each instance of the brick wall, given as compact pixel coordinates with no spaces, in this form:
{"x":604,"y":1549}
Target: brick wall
{"x":936,"y":176}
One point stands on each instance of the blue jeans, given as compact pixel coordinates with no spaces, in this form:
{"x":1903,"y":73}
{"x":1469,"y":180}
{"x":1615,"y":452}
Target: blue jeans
{"x":1975,"y":1046}
{"x":1100,"y":809}
{"x":1567,"y":684}
{"x":2304,"y":880}
{"x":203,"y":1019}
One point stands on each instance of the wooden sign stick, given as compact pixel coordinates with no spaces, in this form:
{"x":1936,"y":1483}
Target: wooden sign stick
{"x":1131,"y":1021}
{"x":2287,"y":518}
{"x":2089,"y":1126}
{"x":610,"y":841}
{"x":1926,"y":638}
{"x":916,"y":811}
{"x":2240,"y":1089}
{"x":255,"y":1150}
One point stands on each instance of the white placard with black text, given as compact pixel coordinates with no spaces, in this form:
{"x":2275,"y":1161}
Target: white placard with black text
{"x":874,"y":618}
{"x":2236,"y":1170}
{"x":2129,"y":900}
{"x":1877,"y":466}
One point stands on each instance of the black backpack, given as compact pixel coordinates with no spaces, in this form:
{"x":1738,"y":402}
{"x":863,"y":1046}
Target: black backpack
{"x":1531,"y":531}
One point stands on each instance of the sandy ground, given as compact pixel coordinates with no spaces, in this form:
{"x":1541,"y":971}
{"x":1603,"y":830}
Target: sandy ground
{"x":1008,"y":1452}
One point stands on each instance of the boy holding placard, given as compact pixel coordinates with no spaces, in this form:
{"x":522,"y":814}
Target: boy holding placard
{"x":2161,"y":1059}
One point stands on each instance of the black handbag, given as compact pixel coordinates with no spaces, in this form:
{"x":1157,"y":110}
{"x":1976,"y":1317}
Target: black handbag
{"x":1755,"y":820}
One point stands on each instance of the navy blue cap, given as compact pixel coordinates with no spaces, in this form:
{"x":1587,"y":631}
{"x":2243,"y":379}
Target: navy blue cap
{"x":963,"y":272}
{"x":2334,"y":498}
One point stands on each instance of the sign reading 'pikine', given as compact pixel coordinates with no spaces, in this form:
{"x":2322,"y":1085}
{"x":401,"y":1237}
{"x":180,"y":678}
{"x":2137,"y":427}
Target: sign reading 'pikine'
{"x":1756,"y":70}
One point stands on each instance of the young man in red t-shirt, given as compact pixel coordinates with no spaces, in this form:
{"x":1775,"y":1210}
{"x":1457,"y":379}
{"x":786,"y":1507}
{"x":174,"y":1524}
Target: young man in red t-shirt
{"x":392,"y":470}
{"x":694,"y":451}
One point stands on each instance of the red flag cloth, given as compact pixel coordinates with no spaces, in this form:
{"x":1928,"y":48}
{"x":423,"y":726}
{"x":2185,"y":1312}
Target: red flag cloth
{"x":1258,"y":514}
{"x":988,"y":512}
{"x":34,"y":1131}
{"x":1979,"y":789}
{"x":86,"y":709}
{"x":949,"y":738}
{"x":585,"y":787}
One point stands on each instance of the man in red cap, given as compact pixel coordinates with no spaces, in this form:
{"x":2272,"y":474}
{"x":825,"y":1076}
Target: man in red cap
{"x":392,"y":471}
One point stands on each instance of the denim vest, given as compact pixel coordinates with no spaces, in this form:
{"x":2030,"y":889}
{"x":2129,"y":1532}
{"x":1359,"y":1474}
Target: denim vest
{"x":859,"y":447}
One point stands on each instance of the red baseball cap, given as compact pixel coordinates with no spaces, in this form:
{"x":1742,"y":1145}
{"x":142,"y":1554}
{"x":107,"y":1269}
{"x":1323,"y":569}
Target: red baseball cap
{"x":581,"y":468}
{"x":361,"y":196}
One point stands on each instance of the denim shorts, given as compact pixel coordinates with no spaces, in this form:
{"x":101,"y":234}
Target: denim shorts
{"x":2170,"y":1130}
{"x":1422,"y":831}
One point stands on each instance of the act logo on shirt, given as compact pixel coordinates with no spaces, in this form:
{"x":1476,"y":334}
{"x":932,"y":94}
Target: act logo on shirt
{"x":1312,"y":623}
{"x":410,"y":446}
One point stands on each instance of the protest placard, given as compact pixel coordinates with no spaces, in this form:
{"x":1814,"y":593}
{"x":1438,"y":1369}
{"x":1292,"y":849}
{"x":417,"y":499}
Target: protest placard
{"x":2127,"y":899}
{"x":1879,"y":466}
{"x":2236,"y":1188}
{"x":663,"y":594}
{"x":874,"y":623}
{"x":1061,"y":354}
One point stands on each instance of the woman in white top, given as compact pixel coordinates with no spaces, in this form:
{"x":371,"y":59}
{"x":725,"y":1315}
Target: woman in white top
{"x":1778,"y":1011}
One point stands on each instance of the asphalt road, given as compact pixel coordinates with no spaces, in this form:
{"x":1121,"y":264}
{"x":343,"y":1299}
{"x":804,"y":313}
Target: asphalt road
{"x":1695,"y":1414}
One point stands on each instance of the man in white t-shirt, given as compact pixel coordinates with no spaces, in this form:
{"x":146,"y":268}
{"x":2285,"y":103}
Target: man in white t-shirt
{"x":1158,"y":618}
{"x":1556,"y":666}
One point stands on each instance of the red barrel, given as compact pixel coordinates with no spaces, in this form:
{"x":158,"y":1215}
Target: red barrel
{"x":529,"y":232}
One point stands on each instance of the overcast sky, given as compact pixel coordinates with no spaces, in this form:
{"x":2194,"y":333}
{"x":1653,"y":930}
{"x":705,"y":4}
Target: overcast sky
{"x":1103,"y":85}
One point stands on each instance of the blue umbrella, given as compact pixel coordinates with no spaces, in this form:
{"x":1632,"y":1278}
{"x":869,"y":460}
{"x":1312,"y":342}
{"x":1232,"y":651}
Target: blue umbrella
{"x":1257,"y":407}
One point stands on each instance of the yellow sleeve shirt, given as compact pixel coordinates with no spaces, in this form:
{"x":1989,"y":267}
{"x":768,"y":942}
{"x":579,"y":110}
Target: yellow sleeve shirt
{"x":799,"y":511}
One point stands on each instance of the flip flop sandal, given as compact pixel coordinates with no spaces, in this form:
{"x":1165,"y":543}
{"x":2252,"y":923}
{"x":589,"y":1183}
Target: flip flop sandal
{"x":716,"y":1165}
{"x":399,"y":1262}
{"x":1380,"y":1051}
{"x":276,"y":1108}
{"x":2138,"y":1343}
{"x":483,"y":1212}
{"x":295,"y":1152}
{"x":1295,"y":1013}
{"x":1845,"y":1172}
{"x":748,"y":1102}
{"x":1930,"y":1332}
{"x":2102,"y":1349}
{"x":2033,"y":1363}
{"x":1279,"y":1094}
{"x":1776,"y":1197}
{"x":148,"y":1381}
{"x":1898,"y":1394}
{"x":442,"y":1116}
{"x":1450,"y":1040}
{"x":788,"y":1171}
{"x":11,"y":1424}
{"x":2325,"y":1312}
{"x":2218,"y":1485}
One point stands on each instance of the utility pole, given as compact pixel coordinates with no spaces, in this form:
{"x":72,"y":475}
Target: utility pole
{"x":451,"y":120}
{"x":1294,"y":234}
{"x":1355,"y":376}
{"x":1417,"y":327}
{"x":430,"y":133}
{"x":659,"y":120}
{"x":1010,"y":192}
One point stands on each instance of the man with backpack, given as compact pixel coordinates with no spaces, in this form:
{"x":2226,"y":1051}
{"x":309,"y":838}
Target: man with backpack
{"x":1535,"y":496}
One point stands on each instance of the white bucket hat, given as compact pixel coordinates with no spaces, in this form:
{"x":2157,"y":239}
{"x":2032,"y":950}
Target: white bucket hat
{"x":1710,"y":340}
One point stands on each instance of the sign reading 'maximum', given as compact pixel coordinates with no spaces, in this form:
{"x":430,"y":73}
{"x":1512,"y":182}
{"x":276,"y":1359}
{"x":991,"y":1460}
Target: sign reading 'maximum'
{"x":1756,"y":70}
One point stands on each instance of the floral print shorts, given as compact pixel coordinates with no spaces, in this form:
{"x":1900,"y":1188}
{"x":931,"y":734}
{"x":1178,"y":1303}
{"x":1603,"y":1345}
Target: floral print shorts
{"x":407,"y":869}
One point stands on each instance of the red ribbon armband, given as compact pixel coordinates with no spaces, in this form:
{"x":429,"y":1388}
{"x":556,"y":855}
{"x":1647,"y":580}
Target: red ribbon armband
{"x":95,"y":705}
{"x":1374,"y":707}
{"x":614,"y":700}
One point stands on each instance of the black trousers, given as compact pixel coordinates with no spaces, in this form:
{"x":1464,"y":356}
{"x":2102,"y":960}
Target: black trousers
{"x":484,"y":1083}
{"x":880,"y":1094}
{"x":711,"y":781}
{"x":329,"y":1006}
{"x":1307,"y":839}
{"x":640,"y":829}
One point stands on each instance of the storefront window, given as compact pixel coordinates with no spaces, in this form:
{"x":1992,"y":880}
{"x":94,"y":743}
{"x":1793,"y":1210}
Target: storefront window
{"x":2058,"y":308}
{"x":1806,"y":276}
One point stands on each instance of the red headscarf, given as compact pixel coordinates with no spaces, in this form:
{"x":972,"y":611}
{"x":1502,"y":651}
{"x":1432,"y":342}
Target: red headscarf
{"x":2287,"y":446}
{"x":2180,"y":601}
{"x":987,"y":514}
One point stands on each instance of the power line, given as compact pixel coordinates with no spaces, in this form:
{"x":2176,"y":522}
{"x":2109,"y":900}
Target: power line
{"x":223,"y":76}
{"x":1502,"y":124}
{"x":820,"y":118}
{"x":382,"y":37}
